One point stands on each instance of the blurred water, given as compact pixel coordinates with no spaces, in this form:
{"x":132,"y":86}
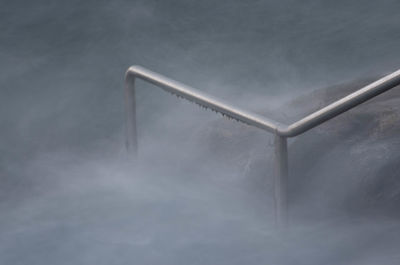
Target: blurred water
{"x":69,"y":195}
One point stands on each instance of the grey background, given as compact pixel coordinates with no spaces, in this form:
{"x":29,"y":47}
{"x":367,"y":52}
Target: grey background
{"x":68,"y":196}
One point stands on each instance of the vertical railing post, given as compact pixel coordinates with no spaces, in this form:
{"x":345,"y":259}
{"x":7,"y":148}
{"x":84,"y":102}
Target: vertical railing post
{"x":281,"y":180}
{"x":130,"y":115}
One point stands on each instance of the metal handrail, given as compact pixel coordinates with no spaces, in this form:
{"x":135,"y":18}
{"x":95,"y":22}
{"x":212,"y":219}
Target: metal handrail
{"x":202,"y":99}
{"x":281,"y":131}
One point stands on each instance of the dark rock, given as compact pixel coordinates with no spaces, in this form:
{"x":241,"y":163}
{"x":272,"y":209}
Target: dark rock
{"x":349,"y":164}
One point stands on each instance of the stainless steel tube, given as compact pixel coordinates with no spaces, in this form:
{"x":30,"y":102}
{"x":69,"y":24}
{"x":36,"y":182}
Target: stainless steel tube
{"x":281,"y":132}
{"x":281,"y":180}
{"x":130,"y":115}
{"x":354,"y":99}
{"x":202,"y":99}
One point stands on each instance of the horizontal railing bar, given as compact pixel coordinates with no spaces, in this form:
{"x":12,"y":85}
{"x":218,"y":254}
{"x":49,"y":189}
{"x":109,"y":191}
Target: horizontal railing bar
{"x":203,"y":99}
{"x":342,"y":105}
{"x":354,"y":99}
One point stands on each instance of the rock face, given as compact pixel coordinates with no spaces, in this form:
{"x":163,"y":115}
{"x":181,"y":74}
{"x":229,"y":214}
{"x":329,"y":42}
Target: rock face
{"x":349,"y":164}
